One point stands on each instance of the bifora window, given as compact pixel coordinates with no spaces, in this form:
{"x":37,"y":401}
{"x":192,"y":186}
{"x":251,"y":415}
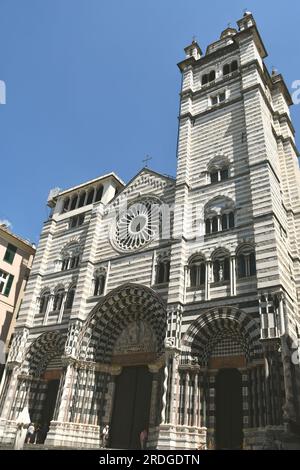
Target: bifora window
{"x":218,"y":99}
{"x":246,"y":262}
{"x":99,"y":282}
{"x":76,"y":221}
{"x":70,"y":257}
{"x":162,"y":270}
{"x":197,"y":271}
{"x":208,"y":77}
{"x":221,"y":266}
{"x":218,"y":168}
{"x":44,"y":301}
{"x":229,"y":68}
{"x":219,"y":215}
{"x":70,"y":298}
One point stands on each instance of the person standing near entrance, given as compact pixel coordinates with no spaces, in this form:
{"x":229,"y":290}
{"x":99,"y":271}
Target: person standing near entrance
{"x":30,"y":434}
{"x":105,"y":436}
{"x":143,"y":438}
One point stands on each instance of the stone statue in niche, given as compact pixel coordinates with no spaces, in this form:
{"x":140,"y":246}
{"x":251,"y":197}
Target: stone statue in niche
{"x":137,"y":337}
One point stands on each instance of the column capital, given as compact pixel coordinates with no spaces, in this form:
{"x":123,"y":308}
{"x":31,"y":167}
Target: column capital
{"x":170,"y":347}
{"x":115,"y":370}
{"x":154,"y":368}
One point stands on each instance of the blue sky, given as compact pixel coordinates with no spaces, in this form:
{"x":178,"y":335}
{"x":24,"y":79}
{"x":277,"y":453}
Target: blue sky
{"x":92,"y":87}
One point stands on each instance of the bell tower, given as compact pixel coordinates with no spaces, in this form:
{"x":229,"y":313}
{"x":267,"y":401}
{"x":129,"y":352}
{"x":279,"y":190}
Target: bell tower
{"x":237,"y":215}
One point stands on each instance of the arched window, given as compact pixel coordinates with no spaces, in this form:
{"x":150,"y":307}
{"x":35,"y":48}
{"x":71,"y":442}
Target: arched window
{"x":74,"y":261}
{"x":220,"y":174}
{"x":76,"y":220}
{"x":214,"y":176}
{"x":74,"y":202}
{"x":197,"y":271}
{"x":90,"y":197}
{"x":219,"y":215}
{"x":204,"y":79}
{"x":99,"y":193}
{"x":207,"y":227}
{"x":214,"y":225}
{"x":226,"y":69}
{"x":229,"y":68}
{"x":224,"y":173}
{"x":211,"y":76}
{"x":218,"y":168}
{"x":230,"y":219}
{"x":208,"y":77}
{"x":81,"y":199}
{"x":224,"y":221}
{"x":70,"y":256}
{"x":44,"y":301}
{"x":66,"y":204}
{"x":70,"y":298}
{"x":99,"y":282}
{"x":221,"y":266}
{"x":162,"y":270}
{"x":234,"y":65}
{"x":246,"y":263}
{"x":241,"y":266}
{"x":58,"y":299}
{"x":252,"y":264}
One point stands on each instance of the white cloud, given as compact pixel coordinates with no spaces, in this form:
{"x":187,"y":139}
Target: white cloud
{"x":6,"y":222}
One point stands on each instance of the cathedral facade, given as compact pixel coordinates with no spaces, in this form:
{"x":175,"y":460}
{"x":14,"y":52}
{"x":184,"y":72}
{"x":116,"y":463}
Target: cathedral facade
{"x":173,"y":305}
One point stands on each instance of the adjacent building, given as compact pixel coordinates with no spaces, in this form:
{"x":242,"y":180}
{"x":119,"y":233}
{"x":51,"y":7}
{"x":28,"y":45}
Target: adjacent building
{"x":16,"y":256}
{"x":173,"y":304}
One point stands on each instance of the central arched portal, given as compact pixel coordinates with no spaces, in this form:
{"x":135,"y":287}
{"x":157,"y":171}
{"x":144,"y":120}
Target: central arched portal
{"x":134,"y":350}
{"x":131,"y":409}
{"x":124,"y":336}
{"x":229,"y":409}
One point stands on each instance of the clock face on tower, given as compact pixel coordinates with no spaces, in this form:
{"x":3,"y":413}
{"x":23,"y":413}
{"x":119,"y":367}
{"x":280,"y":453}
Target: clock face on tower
{"x":137,"y":226}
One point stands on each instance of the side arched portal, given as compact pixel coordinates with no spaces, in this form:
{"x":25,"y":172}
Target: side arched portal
{"x":38,"y":381}
{"x":223,"y":353}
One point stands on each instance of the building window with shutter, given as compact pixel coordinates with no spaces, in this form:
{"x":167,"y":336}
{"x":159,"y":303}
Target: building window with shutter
{"x":10,"y":253}
{"x":6,"y":281}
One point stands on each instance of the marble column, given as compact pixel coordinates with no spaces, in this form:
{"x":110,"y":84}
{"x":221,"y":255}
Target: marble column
{"x":165,"y":391}
{"x":207,"y":279}
{"x":62,"y":307}
{"x":154,"y":403}
{"x":11,"y":393}
{"x":196,"y":410}
{"x":186,"y":399}
{"x":66,"y":392}
{"x":48,"y":309}
{"x":232,"y":276}
{"x":114,"y":372}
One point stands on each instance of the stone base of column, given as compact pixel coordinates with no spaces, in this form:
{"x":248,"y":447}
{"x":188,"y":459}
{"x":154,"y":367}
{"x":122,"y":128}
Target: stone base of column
{"x":171,"y":437}
{"x":271,"y":437}
{"x":73,"y":435}
{"x":8,"y":430}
